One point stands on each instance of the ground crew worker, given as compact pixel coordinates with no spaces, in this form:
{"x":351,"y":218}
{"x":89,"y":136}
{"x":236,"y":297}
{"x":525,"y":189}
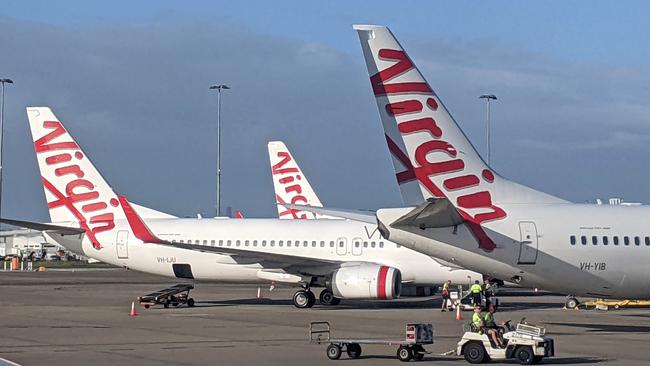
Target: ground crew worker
{"x":446,"y":302}
{"x":477,"y":319}
{"x":491,"y":328}
{"x":476,"y":291}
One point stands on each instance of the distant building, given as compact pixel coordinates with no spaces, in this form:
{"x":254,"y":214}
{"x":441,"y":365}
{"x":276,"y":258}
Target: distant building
{"x":23,"y":242}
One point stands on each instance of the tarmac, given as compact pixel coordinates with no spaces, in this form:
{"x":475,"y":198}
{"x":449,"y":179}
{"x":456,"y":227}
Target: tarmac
{"x":82,"y":318}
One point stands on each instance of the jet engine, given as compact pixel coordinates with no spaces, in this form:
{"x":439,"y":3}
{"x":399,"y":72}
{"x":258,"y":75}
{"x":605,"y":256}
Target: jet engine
{"x":366,"y":281}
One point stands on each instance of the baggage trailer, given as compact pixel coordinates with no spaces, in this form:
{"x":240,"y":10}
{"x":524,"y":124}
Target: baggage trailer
{"x":174,"y":295}
{"x":411,"y":347}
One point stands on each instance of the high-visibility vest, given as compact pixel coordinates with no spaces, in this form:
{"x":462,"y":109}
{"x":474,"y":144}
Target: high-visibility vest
{"x":477,"y":320}
{"x":445,"y":286}
{"x":489,"y":319}
{"x":476,"y":288}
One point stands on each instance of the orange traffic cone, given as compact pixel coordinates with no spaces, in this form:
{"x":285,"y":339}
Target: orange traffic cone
{"x":259,"y":293}
{"x":459,"y":316}
{"x":133,"y":313}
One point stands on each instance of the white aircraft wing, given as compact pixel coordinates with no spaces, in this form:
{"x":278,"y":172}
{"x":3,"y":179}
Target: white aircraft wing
{"x":356,"y":215}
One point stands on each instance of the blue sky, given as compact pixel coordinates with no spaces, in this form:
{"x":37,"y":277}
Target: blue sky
{"x":129,"y":79}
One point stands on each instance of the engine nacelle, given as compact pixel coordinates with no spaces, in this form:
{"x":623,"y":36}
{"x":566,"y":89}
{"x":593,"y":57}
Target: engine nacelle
{"x":366,"y":281}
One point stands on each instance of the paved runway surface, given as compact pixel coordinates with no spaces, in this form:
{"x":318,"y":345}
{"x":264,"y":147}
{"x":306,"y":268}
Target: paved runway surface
{"x":81,"y":318}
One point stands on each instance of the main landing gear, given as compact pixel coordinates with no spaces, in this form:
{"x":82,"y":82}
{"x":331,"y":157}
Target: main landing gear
{"x":304,"y":299}
{"x":327,"y":298}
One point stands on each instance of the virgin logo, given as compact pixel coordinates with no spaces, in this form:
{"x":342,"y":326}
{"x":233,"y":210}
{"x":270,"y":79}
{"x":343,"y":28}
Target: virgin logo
{"x":78,"y":190}
{"x":289,"y":178}
{"x":460,"y":184}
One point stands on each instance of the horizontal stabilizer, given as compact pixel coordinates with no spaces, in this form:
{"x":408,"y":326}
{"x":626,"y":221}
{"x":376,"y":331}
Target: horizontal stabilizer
{"x":356,"y":215}
{"x":434,"y":213}
{"x":63,"y":230}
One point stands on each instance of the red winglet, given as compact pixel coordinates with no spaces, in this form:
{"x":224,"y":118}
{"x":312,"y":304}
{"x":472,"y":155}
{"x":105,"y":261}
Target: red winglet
{"x":138,"y":226}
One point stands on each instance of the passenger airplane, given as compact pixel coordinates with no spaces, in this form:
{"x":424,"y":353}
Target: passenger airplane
{"x":350,"y":260}
{"x":473,"y":217}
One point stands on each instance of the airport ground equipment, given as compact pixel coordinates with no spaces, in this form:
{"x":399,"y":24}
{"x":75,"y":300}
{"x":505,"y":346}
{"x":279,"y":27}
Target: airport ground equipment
{"x":465,"y":300}
{"x":174,"y":296}
{"x":525,"y":343}
{"x":411,"y":347}
{"x":602,"y":304}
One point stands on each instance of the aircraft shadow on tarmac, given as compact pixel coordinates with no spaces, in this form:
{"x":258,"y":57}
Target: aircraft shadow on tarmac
{"x":609,"y":328}
{"x":427,"y":304}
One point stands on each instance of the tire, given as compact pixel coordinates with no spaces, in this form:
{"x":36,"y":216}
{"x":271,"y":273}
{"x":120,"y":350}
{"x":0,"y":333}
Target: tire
{"x":404,"y":354}
{"x":333,"y":351}
{"x":311,"y":298}
{"x":326,"y":297}
{"x":571,"y":303}
{"x":166,"y":304}
{"x":190,"y":302}
{"x":146,"y":306}
{"x":474,"y":352}
{"x":418,"y":352}
{"x":524,"y":355}
{"x":353,"y":350}
{"x":301,"y":299}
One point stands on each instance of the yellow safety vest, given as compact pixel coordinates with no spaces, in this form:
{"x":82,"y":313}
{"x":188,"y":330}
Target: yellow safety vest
{"x":445,"y":286}
{"x":476,"y":288}
{"x":489,"y":319}
{"x":477,"y":320}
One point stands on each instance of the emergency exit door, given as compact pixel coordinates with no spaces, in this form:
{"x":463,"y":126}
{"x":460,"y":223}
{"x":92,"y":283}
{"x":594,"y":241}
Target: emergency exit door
{"x":527,"y":242}
{"x":122,"y":244}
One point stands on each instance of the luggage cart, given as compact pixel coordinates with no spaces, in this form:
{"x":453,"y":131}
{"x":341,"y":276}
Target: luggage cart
{"x":411,"y":347}
{"x":174,"y":295}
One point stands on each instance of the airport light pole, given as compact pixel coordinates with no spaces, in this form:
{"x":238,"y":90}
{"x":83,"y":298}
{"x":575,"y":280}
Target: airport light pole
{"x":488,"y":97}
{"x":2,"y":120}
{"x":219,"y":88}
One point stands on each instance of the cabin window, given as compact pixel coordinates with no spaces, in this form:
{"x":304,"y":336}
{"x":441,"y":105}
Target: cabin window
{"x":372,"y":244}
{"x":228,"y":243}
{"x":280,"y":243}
{"x":573,"y":240}
{"x":288,"y":243}
{"x":272,"y":243}
{"x":381,"y":244}
{"x":616,"y":240}
{"x":197,"y":242}
{"x":594,"y":240}
{"x":212,"y":242}
{"x":182,"y":241}
{"x":626,"y":240}
{"x":205,"y":242}
{"x":313,"y":244}
{"x":605,"y":240}
{"x":356,"y":244}
{"x":254,"y":243}
{"x":322,"y":244}
{"x":263,"y":243}
{"x":365,"y":244}
{"x":305,"y":243}
{"x":247,"y":242}
{"x":583,"y":240}
{"x":220,"y":243}
{"x":331,"y":244}
{"x":647,"y":240}
{"x":237,"y":243}
{"x":637,"y":240}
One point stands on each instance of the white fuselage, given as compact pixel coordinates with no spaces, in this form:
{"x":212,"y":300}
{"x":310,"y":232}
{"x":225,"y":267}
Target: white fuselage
{"x":327,"y":240}
{"x":578,"y":249}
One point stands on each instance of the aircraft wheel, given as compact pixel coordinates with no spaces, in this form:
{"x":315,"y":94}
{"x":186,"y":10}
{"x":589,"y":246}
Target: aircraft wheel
{"x":571,"y":303}
{"x":404,"y":354}
{"x":190,"y":302}
{"x":312,"y":299}
{"x":333,"y":351}
{"x":301,"y":299}
{"x":326,"y":297}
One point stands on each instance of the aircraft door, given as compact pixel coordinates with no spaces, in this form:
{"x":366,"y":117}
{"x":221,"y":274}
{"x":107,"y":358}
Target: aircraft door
{"x":341,"y":246}
{"x":527,"y":243}
{"x":357,"y":246}
{"x":122,"y":244}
